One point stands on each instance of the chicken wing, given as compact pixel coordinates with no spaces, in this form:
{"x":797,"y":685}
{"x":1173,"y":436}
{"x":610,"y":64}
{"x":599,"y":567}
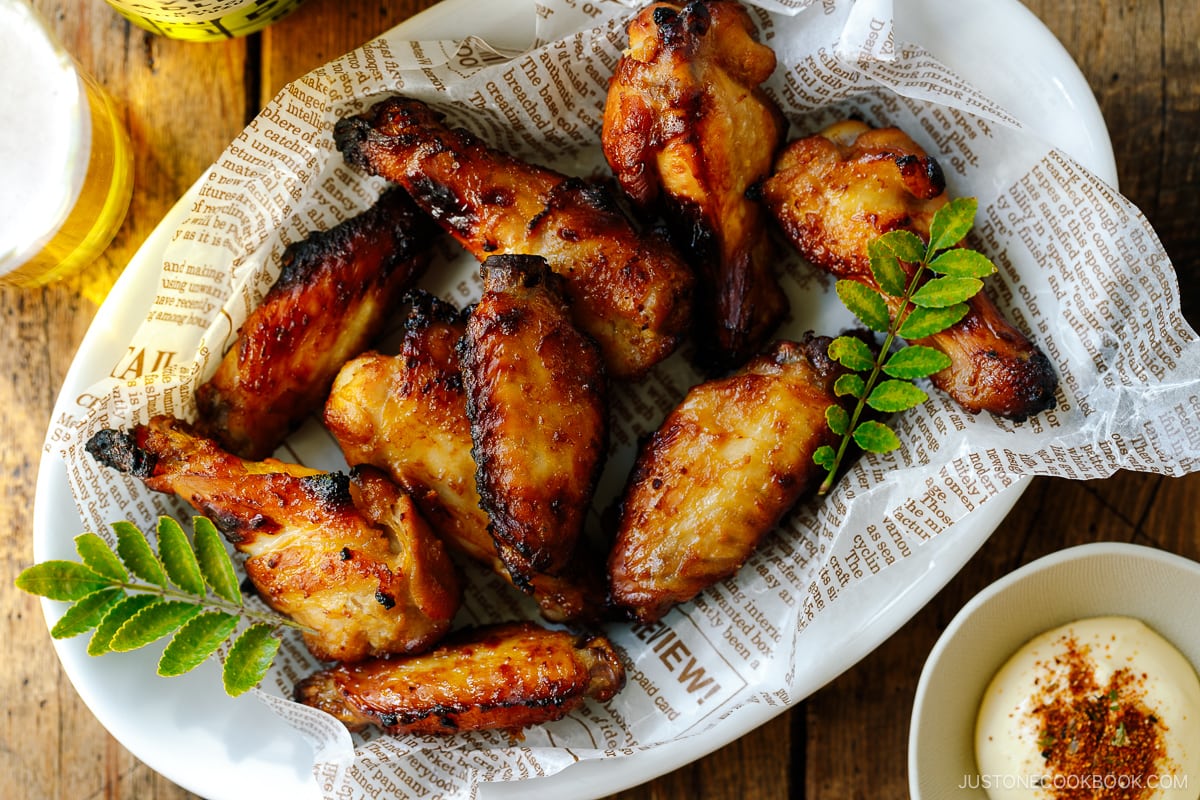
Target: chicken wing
{"x":835,"y":192}
{"x":687,"y":129}
{"x":330,"y":300}
{"x":407,"y":414}
{"x":719,"y":474}
{"x":349,"y":557}
{"x":631,"y":293}
{"x":506,"y":676}
{"x":536,"y":401}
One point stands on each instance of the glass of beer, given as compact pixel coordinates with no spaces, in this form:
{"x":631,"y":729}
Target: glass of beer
{"x":65,"y":163}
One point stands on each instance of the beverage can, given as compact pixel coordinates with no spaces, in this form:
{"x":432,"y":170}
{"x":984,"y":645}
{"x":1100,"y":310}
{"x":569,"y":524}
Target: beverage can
{"x":203,"y":20}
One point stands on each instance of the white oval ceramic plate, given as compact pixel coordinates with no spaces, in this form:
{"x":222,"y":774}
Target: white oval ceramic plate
{"x":188,"y":730}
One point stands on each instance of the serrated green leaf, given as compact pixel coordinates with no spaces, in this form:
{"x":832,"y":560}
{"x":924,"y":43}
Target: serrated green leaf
{"x":214,"y":561}
{"x":136,"y":554}
{"x":959,"y":262}
{"x":922,"y":322}
{"x":916,"y":361}
{"x":852,"y":353}
{"x":151,"y":624}
{"x":904,"y":245}
{"x":825,"y":456}
{"x":178,"y":558}
{"x":951,"y":223}
{"x":865,"y":303}
{"x":944,"y":292}
{"x":892,"y":396}
{"x":886,"y":268}
{"x":249,"y":658}
{"x":99,"y":557}
{"x":198,"y":639}
{"x":875,"y":437}
{"x":86,"y":613}
{"x":117,"y":615}
{"x":61,"y":580}
{"x":849,"y":384}
{"x":837,"y":419}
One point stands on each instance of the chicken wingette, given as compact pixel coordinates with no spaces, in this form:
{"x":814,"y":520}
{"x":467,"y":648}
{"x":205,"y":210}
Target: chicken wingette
{"x":333,"y":295}
{"x":719,"y":474}
{"x":834,"y":192}
{"x":407,"y":414}
{"x":535,"y":389}
{"x":687,"y":131}
{"x":505,"y":676}
{"x":348,"y":557}
{"x":630,"y":292}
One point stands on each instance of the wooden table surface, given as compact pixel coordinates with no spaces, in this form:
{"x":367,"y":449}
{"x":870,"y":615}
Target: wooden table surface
{"x":184,"y":102}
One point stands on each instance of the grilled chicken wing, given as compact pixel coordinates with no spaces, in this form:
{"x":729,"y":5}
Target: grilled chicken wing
{"x":631,"y":293}
{"x":349,"y":557}
{"x":407,"y":414}
{"x":719,"y":474}
{"x":536,"y":401}
{"x":506,"y":676}
{"x":834,"y":192}
{"x":688,"y":129}
{"x":329,"y":302}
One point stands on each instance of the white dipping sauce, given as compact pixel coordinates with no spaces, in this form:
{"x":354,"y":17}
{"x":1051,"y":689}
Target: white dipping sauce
{"x":1101,"y":705}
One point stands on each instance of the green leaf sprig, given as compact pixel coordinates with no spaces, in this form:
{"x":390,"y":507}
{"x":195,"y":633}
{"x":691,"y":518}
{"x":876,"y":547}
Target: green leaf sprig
{"x":906,"y":306}
{"x":134,"y":596}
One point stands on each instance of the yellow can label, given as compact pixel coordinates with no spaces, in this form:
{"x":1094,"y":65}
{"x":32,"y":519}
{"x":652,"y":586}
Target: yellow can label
{"x":204,"y":20}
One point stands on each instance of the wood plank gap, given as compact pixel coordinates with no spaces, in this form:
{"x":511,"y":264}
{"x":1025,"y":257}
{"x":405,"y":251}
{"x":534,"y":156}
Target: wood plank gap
{"x":798,"y":751}
{"x":253,"y":84}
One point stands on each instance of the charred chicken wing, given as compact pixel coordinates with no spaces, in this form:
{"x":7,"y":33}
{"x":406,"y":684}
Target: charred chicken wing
{"x":688,"y":129}
{"x":506,"y":676}
{"x":349,"y":557}
{"x":834,"y":192}
{"x":407,"y":414}
{"x":631,"y":293}
{"x":536,"y":401}
{"x":330,"y":300}
{"x":719,"y":474}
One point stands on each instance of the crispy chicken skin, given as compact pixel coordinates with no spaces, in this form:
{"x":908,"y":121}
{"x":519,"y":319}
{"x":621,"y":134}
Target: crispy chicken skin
{"x":505,"y":676}
{"x":407,"y":414}
{"x":332,"y":297}
{"x":687,"y":130}
{"x":535,"y":391}
{"x":834,"y":192}
{"x":351,"y":558}
{"x":630,"y":292}
{"x":719,"y":474}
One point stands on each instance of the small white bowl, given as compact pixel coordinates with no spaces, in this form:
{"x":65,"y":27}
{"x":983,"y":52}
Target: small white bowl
{"x":1159,"y":588}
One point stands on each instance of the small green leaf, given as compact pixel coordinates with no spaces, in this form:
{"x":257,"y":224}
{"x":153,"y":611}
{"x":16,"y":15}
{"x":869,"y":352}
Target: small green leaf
{"x":958,"y":262}
{"x":904,"y":245}
{"x":198,"y":639}
{"x":99,"y":557}
{"x":875,"y":437}
{"x":837,"y":419}
{"x":922,"y":322}
{"x":135,"y":552}
{"x":892,"y":396}
{"x":214,"y":560}
{"x":951,"y":223}
{"x":248,"y":659}
{"x":886,"y":268}
{"x":865,"y":303}
{"x":151,"y":624}
{"x":178,"y":558}
{"x":849,"y":384}
{"x":943,"y":292}
{"x":86,"y":613}
{"x":916,"y":361}
{"x":825,"y":457}
{"x":852,"y":353}
{"x":117,"y":615}
{"x":61,"y":580}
